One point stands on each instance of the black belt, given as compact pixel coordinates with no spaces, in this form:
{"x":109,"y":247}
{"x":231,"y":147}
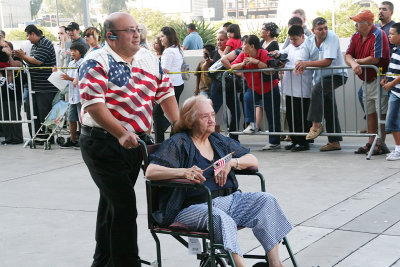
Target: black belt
{"x":222,"y":192}
{"x":100,"y":133}
{"x":95,"y":132}
{"x":203,"y":197}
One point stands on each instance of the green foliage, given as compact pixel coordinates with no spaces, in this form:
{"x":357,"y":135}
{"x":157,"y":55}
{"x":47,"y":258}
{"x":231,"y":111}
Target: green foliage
{"x":344,"y":25}
{"x":48,"y":34}
{"x":113,"y":6}
{"x":207,"y":31}
{"x":153,"y":19}
{"x":283,"y":34}
{"x":35,"y":6}
{"x":18,"y":35}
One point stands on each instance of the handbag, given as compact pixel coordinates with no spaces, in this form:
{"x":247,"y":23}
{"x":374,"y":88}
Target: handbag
{"x":232,"y":81}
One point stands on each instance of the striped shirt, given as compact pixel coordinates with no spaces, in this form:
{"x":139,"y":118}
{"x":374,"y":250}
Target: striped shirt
{"x":394,"y":70}
{"x":376,"y":45}
{"x":42,"y":51}
{"x":129,"y":91}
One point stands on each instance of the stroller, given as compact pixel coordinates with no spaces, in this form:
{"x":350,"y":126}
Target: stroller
{"x":53,"y":124}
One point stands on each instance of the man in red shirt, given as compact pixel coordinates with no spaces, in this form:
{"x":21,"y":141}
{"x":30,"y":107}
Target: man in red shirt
{"x":369,"y":46}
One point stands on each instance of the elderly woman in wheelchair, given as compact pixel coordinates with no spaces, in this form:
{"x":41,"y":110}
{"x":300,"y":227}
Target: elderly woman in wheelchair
{"x":187,"y":154}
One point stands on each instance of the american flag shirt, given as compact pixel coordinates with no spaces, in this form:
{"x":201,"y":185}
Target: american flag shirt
{"x":128,"y":90}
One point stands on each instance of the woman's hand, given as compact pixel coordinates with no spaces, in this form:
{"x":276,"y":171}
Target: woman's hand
{"x":194,"y":174}
{"x":220,"y":178}
{"x":8,"y":51}
{"x":250,"y":60}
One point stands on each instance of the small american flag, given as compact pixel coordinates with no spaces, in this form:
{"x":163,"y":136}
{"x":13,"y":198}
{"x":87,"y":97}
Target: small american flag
{"x":219,"y":164}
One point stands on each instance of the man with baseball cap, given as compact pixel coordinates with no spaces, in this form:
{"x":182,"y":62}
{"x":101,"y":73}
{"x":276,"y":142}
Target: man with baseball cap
{"x":73,"y":33}
{"x":369,"y":46}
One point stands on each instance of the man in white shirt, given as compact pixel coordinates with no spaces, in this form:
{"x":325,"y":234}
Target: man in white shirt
{"x":297,"y":91}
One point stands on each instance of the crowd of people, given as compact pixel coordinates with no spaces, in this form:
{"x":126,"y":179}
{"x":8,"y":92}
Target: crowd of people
{"x":119,"y":89}
{"x":309,"y":95}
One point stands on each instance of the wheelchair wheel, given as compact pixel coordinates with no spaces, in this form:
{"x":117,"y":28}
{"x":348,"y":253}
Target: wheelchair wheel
{"x":60,"y":140}
{"x":261,"y":264}
{"x":219,"y":262}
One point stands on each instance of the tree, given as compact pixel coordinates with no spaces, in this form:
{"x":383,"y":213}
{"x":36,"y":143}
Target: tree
{"x":344,"y":25}
{"x":35,"y":6}
{"x":113,"y":6}
{"x":207,"y":32}
{"x":15,"y":35}
{"x":153,"y":20}
{"x":67,"y":9}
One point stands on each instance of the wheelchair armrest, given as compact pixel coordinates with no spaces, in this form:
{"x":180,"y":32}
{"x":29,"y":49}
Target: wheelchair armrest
{"x":248,"y":171}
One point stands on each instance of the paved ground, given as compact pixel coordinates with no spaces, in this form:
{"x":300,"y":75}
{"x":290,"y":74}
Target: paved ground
{"x":345,"y":209}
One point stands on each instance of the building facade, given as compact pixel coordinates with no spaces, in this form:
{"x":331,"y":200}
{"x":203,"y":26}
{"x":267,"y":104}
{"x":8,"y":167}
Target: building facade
{"x":13,"y":13}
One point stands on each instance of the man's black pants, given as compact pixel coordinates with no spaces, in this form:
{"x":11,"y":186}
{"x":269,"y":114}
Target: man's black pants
{"x":114,"y":170}
{"x":299,"y":122}
{"x":161,"y":123}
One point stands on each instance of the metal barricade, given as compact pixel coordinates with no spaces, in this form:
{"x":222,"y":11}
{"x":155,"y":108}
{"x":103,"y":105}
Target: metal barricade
{"x":349,"y":110}
{"x":15,"y":97}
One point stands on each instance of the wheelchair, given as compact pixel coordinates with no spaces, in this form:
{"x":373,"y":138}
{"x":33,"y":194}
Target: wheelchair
{"x":213,"y":254}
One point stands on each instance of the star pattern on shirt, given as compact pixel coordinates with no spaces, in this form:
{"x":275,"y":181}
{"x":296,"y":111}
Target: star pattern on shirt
{"x":119,"y":73}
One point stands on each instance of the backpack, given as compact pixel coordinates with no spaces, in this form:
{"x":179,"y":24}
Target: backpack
{"x":185,"y":68}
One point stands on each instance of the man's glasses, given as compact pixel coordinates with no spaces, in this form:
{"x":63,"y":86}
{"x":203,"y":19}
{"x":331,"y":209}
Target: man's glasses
{"x":132,"y":31}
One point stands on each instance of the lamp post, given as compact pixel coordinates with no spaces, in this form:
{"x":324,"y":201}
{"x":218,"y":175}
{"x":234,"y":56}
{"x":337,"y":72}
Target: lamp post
{"x":58,"y":19}
{"x":333,"y":16}
{"x":86,"y":16}
{"x":1,"y":14}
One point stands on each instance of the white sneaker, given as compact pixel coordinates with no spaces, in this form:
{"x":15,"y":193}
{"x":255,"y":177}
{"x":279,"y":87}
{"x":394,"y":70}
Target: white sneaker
{"x":271,"y":147}
{"x":250,"y":129}
{"x":394,"y":155}
{"x":11,"y":86}
{"x":2,"y":81}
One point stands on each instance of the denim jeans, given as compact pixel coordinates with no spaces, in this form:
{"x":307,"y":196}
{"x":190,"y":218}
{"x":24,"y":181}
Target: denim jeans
{"x":393,"y":114}
{"x":272,"y":102}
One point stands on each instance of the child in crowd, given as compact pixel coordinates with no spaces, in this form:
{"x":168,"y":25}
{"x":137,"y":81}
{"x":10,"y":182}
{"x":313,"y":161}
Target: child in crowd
{"x":234,"y":41}
{"x":78,"y":51}
{"x":297,"y":91}
{"x":5,"y":55}
{"x":203,"y":80}
{"x":392,"y":84}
